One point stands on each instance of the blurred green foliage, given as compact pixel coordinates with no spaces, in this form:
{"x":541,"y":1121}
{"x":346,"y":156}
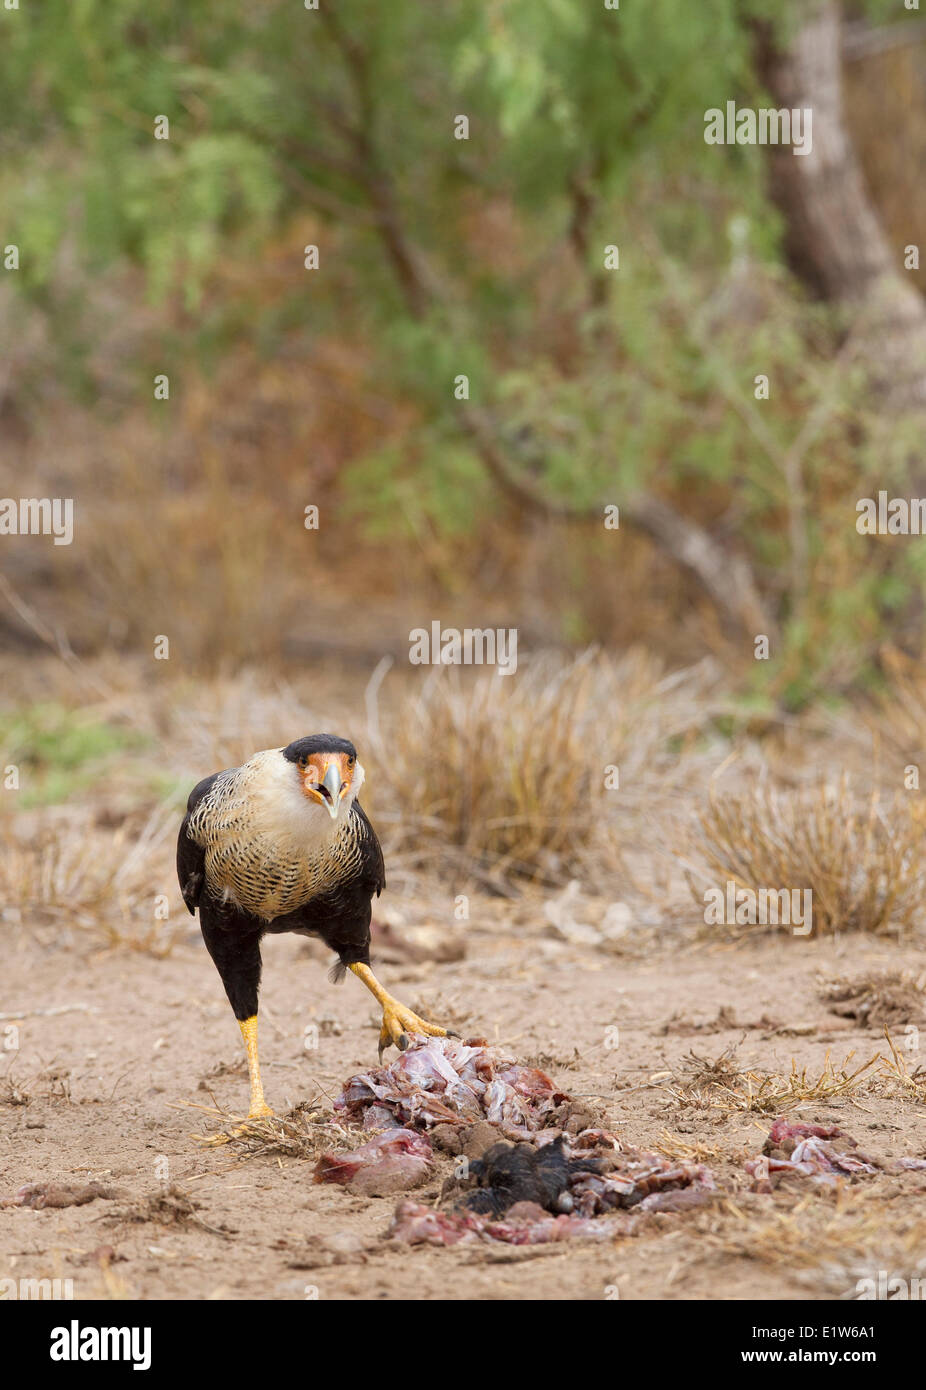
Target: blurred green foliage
{"x":58,"y":755}
{"x":481,"y":257}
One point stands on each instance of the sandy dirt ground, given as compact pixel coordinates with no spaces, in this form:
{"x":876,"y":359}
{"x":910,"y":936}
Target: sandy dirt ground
{"x":107,"y":1091}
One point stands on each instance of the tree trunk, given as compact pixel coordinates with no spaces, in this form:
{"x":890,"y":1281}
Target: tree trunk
{"x":834,"y":239}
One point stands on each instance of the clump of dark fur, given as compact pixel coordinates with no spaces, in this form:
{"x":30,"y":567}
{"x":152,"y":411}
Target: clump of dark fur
{"x":510,"y":1173}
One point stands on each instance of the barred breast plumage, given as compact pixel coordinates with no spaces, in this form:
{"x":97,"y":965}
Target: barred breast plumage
{"x":258,"y":854}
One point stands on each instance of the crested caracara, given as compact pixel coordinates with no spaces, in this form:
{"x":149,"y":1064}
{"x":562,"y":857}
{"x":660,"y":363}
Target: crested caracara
{"x":282,"y":844}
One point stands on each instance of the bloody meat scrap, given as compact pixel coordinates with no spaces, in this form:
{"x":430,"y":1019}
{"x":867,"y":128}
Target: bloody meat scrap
{"x":394,"y":1161}
{"x":525,"y":1224}
{"x":806,"y":1151}
{"x":52,"y":1194}
{"x":448,"y":1081}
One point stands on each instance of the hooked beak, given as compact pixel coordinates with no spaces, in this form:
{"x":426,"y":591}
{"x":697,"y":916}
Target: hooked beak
{"x":330,"y":788}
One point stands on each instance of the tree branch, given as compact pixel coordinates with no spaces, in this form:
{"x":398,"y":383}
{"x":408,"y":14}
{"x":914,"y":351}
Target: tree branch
{"x":860,"y":41}
{"x":406,"y":263}
{"x":725,"y":578}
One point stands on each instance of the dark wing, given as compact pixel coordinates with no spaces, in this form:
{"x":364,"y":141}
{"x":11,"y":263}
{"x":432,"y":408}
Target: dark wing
{"x":191,"y":857}
{"x":371,"y":854}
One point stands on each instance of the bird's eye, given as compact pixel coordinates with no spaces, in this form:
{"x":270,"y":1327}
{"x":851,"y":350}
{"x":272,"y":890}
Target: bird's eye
{"x":351,"y":760}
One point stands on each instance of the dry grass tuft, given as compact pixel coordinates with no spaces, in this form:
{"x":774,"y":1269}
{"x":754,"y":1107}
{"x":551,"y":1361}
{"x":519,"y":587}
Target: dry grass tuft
{"x":303,"y":1132}
{"x":890,"y":999}
{"x":862,"y":861}
{"x":13,"y":1092}
{"x":722,"y":1085}
{"x":829,"y":1245}
{"x":909,"y":1084}
{"x":507,"y":774}
{"x":170,"y":1207}
{"x":898,"y":719}
{"x":71,"y":876}
{"x":698,"y":1076}
{"x":682,"y":1151}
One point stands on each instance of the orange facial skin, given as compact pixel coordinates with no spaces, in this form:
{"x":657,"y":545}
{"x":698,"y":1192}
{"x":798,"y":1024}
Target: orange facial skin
{"x":326,"y":779}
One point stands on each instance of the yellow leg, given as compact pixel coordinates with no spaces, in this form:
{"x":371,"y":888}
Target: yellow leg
{"x":398,"y":1021}
{"x":259,"y":1107}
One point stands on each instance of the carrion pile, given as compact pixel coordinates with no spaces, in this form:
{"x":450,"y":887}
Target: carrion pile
{"x":549,"y":1177}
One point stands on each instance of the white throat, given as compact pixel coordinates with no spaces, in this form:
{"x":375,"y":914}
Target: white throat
{"x":283,"y":811}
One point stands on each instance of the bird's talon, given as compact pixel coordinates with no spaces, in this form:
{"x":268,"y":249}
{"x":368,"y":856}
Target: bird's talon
{"x":400,"y":1025}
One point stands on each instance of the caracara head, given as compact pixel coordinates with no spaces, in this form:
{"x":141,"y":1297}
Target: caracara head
{"x":328,"y":772}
